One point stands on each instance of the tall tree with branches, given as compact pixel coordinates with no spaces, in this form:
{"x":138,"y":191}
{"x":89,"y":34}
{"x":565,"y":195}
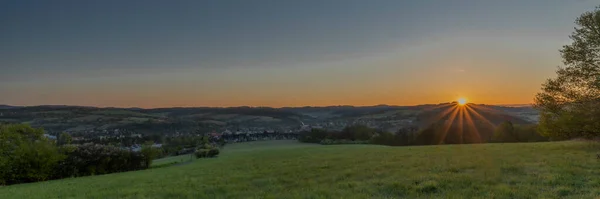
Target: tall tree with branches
{"x":569,"y":103}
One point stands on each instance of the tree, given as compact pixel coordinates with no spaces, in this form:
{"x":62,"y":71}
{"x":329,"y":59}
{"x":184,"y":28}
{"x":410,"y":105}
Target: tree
{"x":26,"y":155}
{"x":528,"y":133}
{"x":149,"y":153}
{"x":356,"y":132}
{"x":569,"y":104}
{"x":400,"y":138}
{"x":505,"y":132}
{"x":429,"y":136}
{"x":64,"y":138}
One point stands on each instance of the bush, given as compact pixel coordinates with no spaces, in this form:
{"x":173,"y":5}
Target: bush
{"x":213,"y":152}
{"x":207,"y":153}
{"x":201,"y":153}
{"x":207,"y":150}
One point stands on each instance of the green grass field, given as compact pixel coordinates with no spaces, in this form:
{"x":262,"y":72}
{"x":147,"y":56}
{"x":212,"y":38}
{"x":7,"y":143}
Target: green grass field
{"x":172,"y":160}
{"x":286,"y":169}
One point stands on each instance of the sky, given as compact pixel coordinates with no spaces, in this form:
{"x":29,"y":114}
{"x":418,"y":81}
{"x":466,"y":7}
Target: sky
{"x":187,"y":53}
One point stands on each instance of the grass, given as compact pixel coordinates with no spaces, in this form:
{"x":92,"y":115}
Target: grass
{"x":171,"y":160}
{"x":284,"y":169}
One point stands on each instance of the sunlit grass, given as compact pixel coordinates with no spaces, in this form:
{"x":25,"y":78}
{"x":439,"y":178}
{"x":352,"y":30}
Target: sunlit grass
{"x":289,"y":170}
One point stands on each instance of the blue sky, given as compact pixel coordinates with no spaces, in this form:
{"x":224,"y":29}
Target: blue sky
{"x":278,"y":53}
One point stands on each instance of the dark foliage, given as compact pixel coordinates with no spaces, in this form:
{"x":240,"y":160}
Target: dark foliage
{"x":434,"y":134}
{"x":27,"y":156}
{"x":313,"y":136}
{"x":394,"y":139}
{"x":453,"y":133}
{"x":207,"y":151}
{"x":507,"y":132}
{"x":94,"y":159}
{"x":351,"y":135}
{"x":569,"y":103}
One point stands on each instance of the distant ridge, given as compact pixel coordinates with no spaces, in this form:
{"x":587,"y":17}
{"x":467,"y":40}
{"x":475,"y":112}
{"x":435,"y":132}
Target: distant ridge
{"x":514,"y":105}
{"x":2,"y":106}
{"x":85,"y":118}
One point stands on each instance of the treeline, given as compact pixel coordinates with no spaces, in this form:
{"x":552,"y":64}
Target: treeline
{"x":507,"y":132}
{"x":27,"y":156}
{"x":127,"y":140}
{"x":455,"y":133}
{"x":190,"y":144}
{"x":357,"y":134}
{"x":186,"y":144}
{"x":432,"y":135}
{"x":234,"y":138}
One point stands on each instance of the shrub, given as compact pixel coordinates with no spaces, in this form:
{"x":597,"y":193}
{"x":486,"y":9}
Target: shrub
{"x":201,"y":153}
{"x":207,"y":153}
{"x":149,"y":153}
{"x":213,"y":152}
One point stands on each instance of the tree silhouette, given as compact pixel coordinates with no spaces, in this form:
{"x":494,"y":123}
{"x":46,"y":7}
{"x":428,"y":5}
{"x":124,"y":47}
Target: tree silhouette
{"x":569,"y":104}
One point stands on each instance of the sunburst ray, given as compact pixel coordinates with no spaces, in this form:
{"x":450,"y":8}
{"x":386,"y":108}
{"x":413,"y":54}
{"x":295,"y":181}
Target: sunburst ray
{"x":460,"y":133}
{"x":474,"y":132}
{"x":447,"y":126}
{"x":479,"y":116}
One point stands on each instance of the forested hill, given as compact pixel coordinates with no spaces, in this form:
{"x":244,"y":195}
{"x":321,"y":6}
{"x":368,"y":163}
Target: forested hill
{"x":470,"y":123}
{"x":81,"y":119}
{"x":477,"y":113}
{"x":86,"y":119}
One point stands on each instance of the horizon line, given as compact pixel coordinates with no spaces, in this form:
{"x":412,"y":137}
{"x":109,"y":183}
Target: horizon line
{"x":246,"y":106}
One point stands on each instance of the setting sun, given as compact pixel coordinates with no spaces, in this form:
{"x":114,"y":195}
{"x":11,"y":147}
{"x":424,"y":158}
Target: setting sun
{"x":462,"y":101}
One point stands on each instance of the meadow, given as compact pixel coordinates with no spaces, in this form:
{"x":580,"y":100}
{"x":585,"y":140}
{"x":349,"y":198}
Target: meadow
{"x":172,"y":160}
{"x":287,"y":169}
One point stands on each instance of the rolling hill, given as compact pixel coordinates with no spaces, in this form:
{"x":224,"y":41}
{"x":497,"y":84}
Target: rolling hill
{"x":454,"y":124}
{"x":479,"y":114}
{"x":79,"y":119}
